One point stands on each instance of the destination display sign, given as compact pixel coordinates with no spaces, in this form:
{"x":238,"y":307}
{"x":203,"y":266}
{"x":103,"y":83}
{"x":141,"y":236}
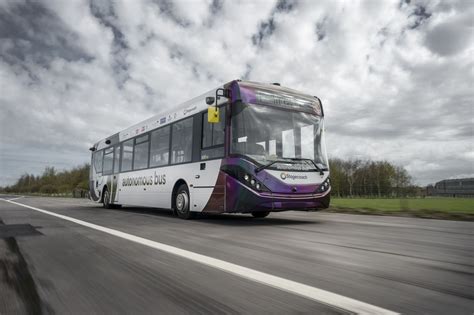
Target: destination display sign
{"x":282,"y":99}
{"x":288,"y":101}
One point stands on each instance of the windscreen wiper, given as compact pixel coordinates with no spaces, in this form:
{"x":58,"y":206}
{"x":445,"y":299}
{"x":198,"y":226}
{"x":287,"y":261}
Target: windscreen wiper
{"x":258,"y":169}
{"x":321,"y":172}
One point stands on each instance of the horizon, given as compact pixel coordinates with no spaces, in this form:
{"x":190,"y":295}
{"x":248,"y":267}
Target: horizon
{"x":88,"y":165}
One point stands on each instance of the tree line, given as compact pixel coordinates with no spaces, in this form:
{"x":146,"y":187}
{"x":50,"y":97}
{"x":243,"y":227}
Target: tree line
{"x":349,"y":178}
{"x":365,"y":178}
{"x":52,"y":182}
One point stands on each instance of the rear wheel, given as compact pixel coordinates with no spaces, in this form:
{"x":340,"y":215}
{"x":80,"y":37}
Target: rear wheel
{"x":106,"y":199}
{"x":260,"y":214}
{"x":181,"y":203}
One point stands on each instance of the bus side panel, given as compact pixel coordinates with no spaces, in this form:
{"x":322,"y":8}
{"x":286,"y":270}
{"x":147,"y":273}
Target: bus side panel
{"x":93,"y":195}
{"x":147,"y":188}
{"x":92,"y":181}
{"x":96,"y":185}
{"x":96,"y":181}
{"x":154,"y":187}
{"x":205,"y":187}
{"x":216,"y":201}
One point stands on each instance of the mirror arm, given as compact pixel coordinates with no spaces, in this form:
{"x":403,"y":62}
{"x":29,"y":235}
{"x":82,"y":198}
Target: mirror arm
{"x":225,"y":93}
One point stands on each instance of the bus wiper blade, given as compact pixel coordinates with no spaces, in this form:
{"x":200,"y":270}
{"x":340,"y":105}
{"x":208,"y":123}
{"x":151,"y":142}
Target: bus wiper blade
{"x":321,"y":172}
{"x":258,"y":169}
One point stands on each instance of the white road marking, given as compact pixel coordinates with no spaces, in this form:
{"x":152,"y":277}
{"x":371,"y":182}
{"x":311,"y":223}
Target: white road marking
{"x":12,"y":198}
{"x":313,"y":293}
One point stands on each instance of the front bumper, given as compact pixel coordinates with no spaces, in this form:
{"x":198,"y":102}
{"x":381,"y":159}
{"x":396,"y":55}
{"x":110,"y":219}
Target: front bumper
{"x":240,"y":198}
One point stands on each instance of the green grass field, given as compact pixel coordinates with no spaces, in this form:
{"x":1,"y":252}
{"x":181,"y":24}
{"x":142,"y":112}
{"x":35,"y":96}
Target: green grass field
{"x":442,"y":208}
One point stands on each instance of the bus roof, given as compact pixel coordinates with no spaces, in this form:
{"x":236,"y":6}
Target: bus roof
{"x":241,"y":90}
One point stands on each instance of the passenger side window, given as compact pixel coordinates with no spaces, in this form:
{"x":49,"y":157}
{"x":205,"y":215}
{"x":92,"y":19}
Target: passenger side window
{"x":140,"y":154}
{"x":117,"y":160}
{"x":182,"y":141}
{"x":108,"y":161}
{"x":127,"y":155}
{"x":98,"y":161}
{"x":160,"y":147}
{"x":213,"y":135}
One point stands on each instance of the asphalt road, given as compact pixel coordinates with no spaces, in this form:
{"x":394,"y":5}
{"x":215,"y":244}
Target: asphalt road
{"x":51,"y":265}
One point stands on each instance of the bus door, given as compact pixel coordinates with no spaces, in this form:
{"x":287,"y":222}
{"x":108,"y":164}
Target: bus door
{"x":211,"y":152}
{"x":115,"y":175}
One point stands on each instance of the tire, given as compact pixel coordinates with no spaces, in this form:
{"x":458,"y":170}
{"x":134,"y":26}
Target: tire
{"x":260,"y":214}
{"x":181,"y":203}
{"x":106,"y":199}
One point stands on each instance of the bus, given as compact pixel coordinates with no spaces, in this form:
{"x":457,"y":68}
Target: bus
{"x":243,"y":147}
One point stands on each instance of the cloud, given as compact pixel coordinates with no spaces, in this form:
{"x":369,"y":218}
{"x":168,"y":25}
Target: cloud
{"x":395,"y":77}
{"x":452,"y":35}
{"x":33,"y":33}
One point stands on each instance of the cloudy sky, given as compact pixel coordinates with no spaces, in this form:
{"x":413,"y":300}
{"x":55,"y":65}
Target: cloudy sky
{"x":396,"y":78}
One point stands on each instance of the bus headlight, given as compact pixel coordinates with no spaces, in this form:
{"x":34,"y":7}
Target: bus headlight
{"x":324,"y":186}
{"x":252,"y":182}
{"x":245,"y":178}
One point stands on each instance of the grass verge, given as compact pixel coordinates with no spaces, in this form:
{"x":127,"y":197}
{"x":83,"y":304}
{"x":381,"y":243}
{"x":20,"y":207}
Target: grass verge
{"x":433,"y":208}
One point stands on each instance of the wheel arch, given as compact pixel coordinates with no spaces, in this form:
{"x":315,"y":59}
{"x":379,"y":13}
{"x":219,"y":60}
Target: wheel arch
{"x":178,"y":183}
{"x":102,"y":193}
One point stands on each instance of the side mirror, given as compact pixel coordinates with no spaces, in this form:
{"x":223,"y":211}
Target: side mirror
{"x":212,"y":114}
{"x":210,"y":100}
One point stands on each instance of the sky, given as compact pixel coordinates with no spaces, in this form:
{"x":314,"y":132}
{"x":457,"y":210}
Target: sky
{"x":395,"y":77}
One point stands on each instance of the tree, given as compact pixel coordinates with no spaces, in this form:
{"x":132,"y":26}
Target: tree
{"x":52,"y":181}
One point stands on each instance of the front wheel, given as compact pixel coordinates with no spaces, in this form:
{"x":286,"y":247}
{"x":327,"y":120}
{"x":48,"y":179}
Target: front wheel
{"x":182,"y":203}
{"x":260,"y":214}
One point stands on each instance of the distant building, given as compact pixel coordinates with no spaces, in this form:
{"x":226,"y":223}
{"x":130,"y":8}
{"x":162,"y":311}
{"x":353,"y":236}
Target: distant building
{"x":463,"y":187}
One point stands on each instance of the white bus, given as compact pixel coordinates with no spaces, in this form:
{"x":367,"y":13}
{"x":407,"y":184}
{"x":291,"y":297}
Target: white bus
{"x":244,"y":147}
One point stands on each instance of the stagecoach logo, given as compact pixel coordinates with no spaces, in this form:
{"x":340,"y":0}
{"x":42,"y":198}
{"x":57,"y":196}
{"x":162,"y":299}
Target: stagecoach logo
{"x":187,"y":110}
{"x":292,"y":176}
{"x":156,"y":179}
